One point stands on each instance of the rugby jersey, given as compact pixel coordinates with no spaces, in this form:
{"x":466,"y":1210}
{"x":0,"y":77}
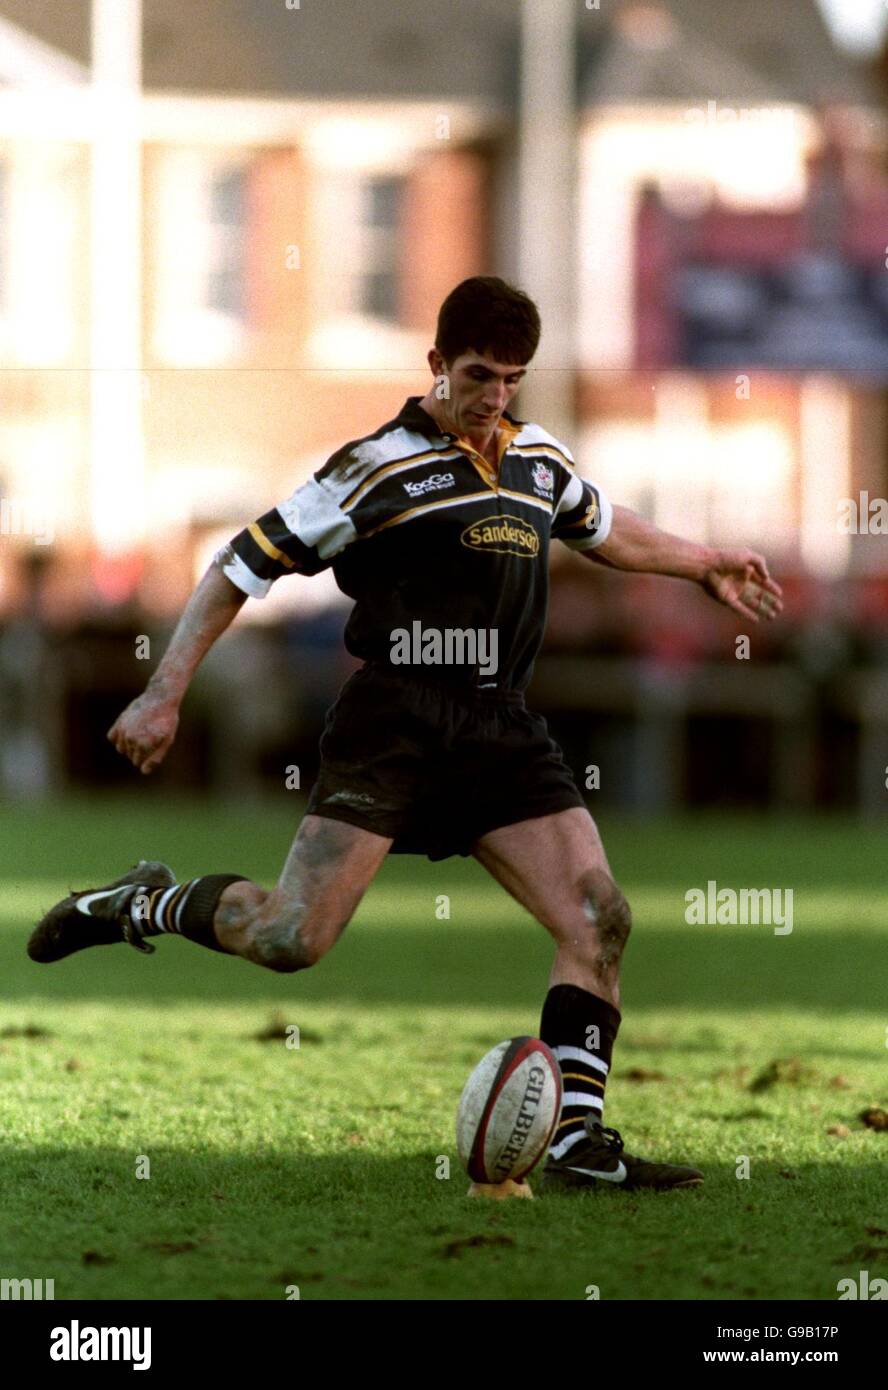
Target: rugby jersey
{"x":419,"y":527}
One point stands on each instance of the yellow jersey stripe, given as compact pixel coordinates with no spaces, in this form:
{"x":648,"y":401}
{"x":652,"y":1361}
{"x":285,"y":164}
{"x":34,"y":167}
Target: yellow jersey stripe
{"x":412,"y":512}
{"x":545,"y":449}
{"x":526,"y":497}
{"x":265,"y":544}
{"x":393,"y":467}
{"x":428,"y":507}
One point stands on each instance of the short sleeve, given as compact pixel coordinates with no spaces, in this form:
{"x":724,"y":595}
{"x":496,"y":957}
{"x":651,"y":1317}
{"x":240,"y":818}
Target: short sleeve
{"x":584,"y":515}
{"x":302,"y":535}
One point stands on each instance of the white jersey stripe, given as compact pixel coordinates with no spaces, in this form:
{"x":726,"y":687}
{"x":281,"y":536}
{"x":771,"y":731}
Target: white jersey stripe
{"x":395,"y":446}
{"x":572,"y":495}
{"x":242,"y":577}
{"x":434,"y":506}
{"x":391,"y":469}
{"x":534,"y":449}
{"x":314,"y":516}
{"x":540,"y":502}
{"x":602,"y":530}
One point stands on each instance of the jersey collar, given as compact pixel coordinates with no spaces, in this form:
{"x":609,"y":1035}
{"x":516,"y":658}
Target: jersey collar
{"x":415,"y":417}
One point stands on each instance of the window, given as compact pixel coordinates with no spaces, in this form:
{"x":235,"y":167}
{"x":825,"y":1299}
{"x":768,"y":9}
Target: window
{"x":200,"y":215}
{"x":4,"y":238}
{"x":224,"y":285}
{"x":381,"y":211}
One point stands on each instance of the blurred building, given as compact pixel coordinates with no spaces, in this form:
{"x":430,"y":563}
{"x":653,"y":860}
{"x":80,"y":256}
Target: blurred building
{"x":311,"y":187}
{"x":306,"y":182}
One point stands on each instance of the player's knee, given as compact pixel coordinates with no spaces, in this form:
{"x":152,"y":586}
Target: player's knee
{"x":608,"y":914}
{"x":284,"y":947}
{"x":286,"y":939}
{"x":280,"y":947}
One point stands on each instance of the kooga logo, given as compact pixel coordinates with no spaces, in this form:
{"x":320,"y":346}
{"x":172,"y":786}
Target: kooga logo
{"x":431,"y":484}
{"x":506,"y":535}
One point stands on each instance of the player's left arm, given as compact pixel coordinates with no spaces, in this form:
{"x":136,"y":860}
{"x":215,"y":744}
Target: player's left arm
{"x":737,"y":577}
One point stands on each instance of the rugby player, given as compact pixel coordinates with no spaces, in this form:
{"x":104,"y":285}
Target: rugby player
{"x":443,"y":518}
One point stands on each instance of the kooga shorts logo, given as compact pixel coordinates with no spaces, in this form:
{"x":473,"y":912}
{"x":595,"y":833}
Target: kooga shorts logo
{"x":506,"y":535}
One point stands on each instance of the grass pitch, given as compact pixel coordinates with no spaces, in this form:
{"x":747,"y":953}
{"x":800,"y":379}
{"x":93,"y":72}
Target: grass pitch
{"x":320,"y":1167}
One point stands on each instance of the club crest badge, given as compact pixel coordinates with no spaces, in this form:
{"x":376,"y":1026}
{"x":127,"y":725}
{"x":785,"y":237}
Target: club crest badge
{"x":543,"y":478}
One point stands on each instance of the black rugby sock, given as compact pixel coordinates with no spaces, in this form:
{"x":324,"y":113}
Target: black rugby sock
{"x":186,"y":909}
{"x":580,"y":1028}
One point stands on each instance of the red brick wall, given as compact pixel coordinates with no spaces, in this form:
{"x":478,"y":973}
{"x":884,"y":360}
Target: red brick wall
{"x":446,"y":215}
{"x":276,"y":220}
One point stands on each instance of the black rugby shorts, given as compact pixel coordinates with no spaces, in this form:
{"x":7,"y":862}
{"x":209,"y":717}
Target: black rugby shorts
{"x":435,"y":766}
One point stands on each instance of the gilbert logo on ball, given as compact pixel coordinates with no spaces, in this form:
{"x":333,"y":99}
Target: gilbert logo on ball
{"x":508,"y":1111}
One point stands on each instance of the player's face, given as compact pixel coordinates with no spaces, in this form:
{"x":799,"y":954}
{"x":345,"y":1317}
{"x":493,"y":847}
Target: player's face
{"x":480,"y":390}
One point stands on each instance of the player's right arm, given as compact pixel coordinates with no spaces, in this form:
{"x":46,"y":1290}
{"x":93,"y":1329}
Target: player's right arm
{"x":299,"y":536}
{"x":144,"y":732}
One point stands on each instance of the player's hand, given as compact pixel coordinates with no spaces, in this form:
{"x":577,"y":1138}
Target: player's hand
{"x":740,"y":579}
{"x":144,"y":732}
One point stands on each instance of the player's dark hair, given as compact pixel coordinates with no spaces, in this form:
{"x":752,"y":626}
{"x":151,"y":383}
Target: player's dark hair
{"x":488,"y":316}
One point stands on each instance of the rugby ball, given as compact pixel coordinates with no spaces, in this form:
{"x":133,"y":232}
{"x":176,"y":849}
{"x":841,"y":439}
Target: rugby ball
{"x":508,"y":1110}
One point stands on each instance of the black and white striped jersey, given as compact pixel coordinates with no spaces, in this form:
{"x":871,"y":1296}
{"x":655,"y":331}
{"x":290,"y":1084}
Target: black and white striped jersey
{"x":418,"y":527}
